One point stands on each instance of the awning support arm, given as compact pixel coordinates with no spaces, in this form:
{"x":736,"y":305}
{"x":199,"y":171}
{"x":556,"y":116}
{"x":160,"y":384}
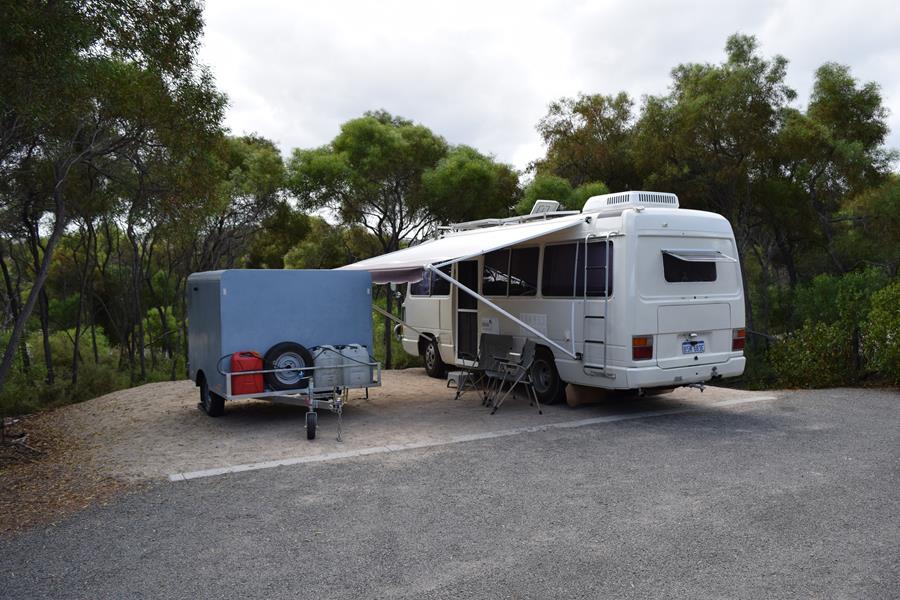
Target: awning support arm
{"x":394,"y":318}
{"x":503,"y":312}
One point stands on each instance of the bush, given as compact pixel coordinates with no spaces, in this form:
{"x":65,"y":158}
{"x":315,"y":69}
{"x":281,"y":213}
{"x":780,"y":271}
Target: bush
{"x":881,"y":333}
{"x":815,"y":356}
{"x":832,"y":298}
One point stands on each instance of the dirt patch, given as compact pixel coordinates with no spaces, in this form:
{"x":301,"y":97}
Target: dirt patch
{"x":51,"y":478}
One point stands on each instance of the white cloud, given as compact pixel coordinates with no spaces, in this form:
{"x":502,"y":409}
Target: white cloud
{"x":482,"y":72}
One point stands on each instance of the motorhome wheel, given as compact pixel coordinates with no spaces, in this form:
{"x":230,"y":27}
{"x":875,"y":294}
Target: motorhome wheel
{"x":434,"y":365}
{"x":548,"y":386}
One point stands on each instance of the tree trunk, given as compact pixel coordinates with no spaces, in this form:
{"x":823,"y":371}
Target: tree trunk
{"x":43,"y":301}
{"x":59,"y":227}
{"x":13,"y":295}
{"x":77,"y":339}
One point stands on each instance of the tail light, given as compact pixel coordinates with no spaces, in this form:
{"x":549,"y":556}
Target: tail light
{"x":642,"y":347}
{"x":738,"y":338}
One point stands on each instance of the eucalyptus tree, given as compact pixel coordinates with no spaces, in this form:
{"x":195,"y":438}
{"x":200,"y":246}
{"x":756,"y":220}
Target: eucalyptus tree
{"x":370,"y":176}
{"x":87,"y":80}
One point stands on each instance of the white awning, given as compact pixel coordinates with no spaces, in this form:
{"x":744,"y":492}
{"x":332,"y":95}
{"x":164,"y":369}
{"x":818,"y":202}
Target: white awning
{"x":407,"y":265}
{"x":700,"y":255}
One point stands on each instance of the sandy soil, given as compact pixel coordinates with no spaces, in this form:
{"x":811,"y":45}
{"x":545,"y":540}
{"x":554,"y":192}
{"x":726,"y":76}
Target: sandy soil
{"x":113,"y":442}
{"x":155,"y":430}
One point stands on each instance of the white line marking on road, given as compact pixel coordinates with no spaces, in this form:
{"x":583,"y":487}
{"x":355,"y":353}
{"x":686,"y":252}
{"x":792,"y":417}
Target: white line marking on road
{"x":472,"y":437}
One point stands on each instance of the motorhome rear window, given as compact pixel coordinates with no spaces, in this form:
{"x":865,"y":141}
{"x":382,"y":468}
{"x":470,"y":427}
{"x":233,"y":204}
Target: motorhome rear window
{"x":677,"y":270}
{"x":510,"y":272}
{"x":562,"y":277}
{"x":431,"y":284}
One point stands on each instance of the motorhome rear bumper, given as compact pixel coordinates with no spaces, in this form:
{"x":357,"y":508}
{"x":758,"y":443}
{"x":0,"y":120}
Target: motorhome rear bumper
{"x":650,"y":376}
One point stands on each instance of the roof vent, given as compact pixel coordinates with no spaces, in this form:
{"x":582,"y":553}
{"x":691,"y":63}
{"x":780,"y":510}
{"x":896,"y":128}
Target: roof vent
{"x":614,"y":204}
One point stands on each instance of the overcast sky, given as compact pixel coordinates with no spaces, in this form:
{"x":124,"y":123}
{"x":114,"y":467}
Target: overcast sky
{"x":482,"y":73}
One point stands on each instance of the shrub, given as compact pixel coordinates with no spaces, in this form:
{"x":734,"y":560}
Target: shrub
{"x":881,"y":333}
{"x":815,"y":356}
{"x":832,"y":298}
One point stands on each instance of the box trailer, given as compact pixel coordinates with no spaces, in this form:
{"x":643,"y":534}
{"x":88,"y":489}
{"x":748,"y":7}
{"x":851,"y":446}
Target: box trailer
{"x":631,"y":292}
{"x":292,"y":336}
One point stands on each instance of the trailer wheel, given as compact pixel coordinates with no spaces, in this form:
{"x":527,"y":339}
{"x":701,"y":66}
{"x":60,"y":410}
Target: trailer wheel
{"x":548,"y":385}
{"x":312,"y":421}
{"x":287,"y":355}
{"x":212,"y":403}
{"x":434,"y":364}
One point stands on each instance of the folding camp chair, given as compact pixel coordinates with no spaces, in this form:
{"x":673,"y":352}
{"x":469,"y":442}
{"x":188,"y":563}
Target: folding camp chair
{"x":492,"y":349}
{"x":516,"y":373}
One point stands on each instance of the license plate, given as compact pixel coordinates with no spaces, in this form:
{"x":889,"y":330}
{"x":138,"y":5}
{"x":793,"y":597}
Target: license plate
{"x":693,"y":347}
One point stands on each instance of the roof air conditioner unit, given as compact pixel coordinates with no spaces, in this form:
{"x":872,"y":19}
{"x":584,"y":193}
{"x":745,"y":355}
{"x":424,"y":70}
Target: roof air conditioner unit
{"x":614,"y":204}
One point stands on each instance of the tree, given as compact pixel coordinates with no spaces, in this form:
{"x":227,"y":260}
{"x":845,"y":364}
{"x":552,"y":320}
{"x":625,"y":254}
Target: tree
{"x":588,"y":139}
{"x":467,"y":185}
{"x":551,"y":187}
{"x":370,"y":175}
{"x":121,"y":76}
{"x":711,"y":134}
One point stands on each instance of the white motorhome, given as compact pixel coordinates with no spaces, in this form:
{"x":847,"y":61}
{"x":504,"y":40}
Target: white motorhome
{"x":630,"y":293}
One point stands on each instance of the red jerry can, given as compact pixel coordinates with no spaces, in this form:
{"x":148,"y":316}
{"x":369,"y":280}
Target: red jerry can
{"x":246,"y":384}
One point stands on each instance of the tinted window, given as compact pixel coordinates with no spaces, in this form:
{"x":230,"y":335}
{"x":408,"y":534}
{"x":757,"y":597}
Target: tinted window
{"x":495,"y":276}
{"x":439,"y":285}
{"x":431,"y":284}
{"x":562,"y":275}
{"x":423,"y":287}
{"x":682,"y":271}
{"x":559,"y":270}
{"x":523,"y":271}
{"x":596,"y":271}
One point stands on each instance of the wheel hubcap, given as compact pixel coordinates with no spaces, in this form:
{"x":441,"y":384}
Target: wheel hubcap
{"x":289,"y":360}
{"x":429,"y":356}
{"x":543,"y":376}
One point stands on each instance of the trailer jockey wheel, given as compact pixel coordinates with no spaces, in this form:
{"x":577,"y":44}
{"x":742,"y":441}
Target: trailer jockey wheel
{"x":312,"y":421}
{"x":548,"y":386}
{"x":287,"y":355}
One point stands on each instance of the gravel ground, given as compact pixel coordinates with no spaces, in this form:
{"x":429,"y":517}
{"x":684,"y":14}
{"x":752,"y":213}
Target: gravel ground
{"x":791,"y":497}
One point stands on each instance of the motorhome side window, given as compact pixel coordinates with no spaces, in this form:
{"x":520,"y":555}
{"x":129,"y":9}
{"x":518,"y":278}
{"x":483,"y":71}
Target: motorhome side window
{"x":431,"y":284}
{"x":510,"y":272}
{"x":677,"y":270}
{"x":564,"y":270}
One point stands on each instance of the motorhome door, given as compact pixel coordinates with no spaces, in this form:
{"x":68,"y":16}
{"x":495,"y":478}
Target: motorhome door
{"x":466,"y":312}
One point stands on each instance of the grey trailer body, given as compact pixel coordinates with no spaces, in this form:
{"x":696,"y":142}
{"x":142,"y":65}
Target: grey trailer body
{"x":254,"y":309}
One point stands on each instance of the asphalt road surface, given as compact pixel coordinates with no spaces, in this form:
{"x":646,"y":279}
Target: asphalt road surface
{"x":793,"y":497}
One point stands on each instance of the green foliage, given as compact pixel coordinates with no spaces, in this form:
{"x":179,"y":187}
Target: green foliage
{"x":838,"y":298}
{"x":23,"y":392}
{"x":589,"y":138}
{"x":399,"y":358}
{"x":370,"y":175}
{"x":817,"y":355}
{"x":551,"y":187}
{"x":882,"y":333}
{"x":874,"y":235}
{"x":467,"y":185}
{"x":583,"y":192}
{"x":544,"y":187}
